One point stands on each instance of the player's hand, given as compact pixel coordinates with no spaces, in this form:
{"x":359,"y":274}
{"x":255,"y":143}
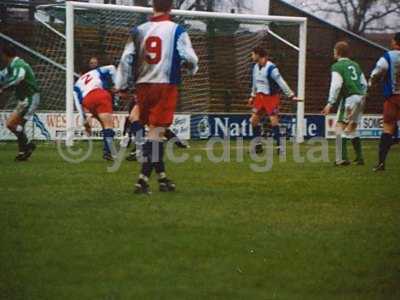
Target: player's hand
{"x":88,"y":129}
{"x":250,"y":101}
{"x":1,"y":90}
{"x":327,"y":110}
{"x":295,"y":99}
{"x":349,"y":112}
{"x":371,"y":83}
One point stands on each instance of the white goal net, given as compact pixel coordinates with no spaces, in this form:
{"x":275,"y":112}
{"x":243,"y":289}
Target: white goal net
{"x":223,"y":42}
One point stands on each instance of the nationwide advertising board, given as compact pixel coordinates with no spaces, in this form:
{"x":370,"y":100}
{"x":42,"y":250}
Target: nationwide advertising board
{"x":204,"y":126}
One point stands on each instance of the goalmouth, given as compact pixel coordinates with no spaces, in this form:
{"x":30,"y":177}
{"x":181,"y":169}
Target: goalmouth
{"x":250,"y":20}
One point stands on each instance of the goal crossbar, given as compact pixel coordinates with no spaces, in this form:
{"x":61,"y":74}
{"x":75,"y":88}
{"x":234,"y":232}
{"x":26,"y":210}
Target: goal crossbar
{"x":256,"y":19}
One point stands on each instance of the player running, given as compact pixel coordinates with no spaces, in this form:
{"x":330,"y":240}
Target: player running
{"x":388,"y":67}
{"x":91,"y":94}
{"x":156,"y":50}
{"x":348,"y":82}
{"x":267,"y":84}
{"x":19,"y":75}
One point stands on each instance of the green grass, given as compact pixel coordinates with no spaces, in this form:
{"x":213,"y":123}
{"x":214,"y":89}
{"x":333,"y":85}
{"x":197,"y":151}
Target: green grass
{"x":301,"y":231}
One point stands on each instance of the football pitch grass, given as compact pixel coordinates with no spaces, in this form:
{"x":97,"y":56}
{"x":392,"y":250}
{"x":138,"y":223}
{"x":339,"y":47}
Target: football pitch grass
{"x":300,"y":231}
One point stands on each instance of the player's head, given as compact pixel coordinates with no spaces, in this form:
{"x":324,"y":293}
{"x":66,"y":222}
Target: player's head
{"x":258,"y":53}
{"x":93,"y":63}
{"x":396,"y":41}
{"x":8,"y":52}
{"x":162,"y":6}
{"x":342,"y":49}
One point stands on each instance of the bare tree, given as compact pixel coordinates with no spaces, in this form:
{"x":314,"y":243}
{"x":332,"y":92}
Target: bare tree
{"x":358,"y":16}
{"x":212,"y":5}
{"x":142,"y":2}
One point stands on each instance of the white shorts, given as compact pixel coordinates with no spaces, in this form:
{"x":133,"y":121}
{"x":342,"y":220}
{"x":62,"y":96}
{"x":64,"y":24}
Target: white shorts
{"x":351,"y":109}
{"x":356,"y":105}
{"x":27,"y":107}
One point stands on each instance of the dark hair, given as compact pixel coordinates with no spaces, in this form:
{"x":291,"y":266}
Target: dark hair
{"x":9,"y":50}
{"x":397,"y":38}
{"x":342,"y":49}
{"x":162,"y":5}
{"x":260,"y":51}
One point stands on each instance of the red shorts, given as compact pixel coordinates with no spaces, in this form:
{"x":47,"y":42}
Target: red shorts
{"x":98,"y":101}
{"x":157,"y":103}
{"x":391,"y":109}
{"x":266,"y":104}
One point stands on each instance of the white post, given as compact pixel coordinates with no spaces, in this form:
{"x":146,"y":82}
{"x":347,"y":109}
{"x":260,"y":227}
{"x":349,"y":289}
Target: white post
{"x":268,"y":4}
{"x":302,"y":82}
{"x":70,"y":74}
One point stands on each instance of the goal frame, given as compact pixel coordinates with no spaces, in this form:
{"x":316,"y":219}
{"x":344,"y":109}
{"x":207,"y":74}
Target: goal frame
{"x":71,"y":6}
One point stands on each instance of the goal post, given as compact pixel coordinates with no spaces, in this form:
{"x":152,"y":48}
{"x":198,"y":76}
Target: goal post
{"x":73,"y":7}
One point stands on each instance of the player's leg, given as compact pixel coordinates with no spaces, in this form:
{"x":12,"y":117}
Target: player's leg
{"x":276,"y":131}
{"x":355,"y":108}
{"x":157,"y":104}
{"x":396,"y":134}
{"x":258,"y":113}
{"x":341,"y":158}
{"x":137,"y":131}
{"x":161,"y":117}
{"x":106,"y":121}
{"x":272,"y":108}
{"x":144,"y":100}
{"x":170,"y":135}
{"x":391,"y":114}
{"x":352,"y":134}
{"x":385,"y":145}
{"x":255,"y":123}
{"x":16,"y":124}
{"x":156,"y":138}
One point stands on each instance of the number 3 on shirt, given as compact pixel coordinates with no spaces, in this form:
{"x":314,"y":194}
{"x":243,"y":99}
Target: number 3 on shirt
{"x":354,"y":75}
{"x":153,"y":50}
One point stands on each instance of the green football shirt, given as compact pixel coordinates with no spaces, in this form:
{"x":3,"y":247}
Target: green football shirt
{"x":351,"y":74}
{"x":20,"y":75}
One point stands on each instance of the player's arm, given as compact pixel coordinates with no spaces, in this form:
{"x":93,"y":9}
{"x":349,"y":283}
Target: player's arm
{"x":125,"y":68}
{"x":364,"y":83}
{"x":111,"y":69}
{"x":334,"y":91}
{"x":253,"y":88}
{"x":277,"y":77}
{"x":380,"y":69}
{"x":187,"y":54}
{"x":79,"y":108}
{"x":16,"y":77}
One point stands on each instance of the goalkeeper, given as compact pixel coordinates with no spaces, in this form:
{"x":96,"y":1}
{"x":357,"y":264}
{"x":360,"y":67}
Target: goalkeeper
{"x":18,"y":75}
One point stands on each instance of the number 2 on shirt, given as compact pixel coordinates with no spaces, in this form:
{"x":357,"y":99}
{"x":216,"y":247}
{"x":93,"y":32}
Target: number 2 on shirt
{"x":87,"y":79}
{"x":153,"y":46}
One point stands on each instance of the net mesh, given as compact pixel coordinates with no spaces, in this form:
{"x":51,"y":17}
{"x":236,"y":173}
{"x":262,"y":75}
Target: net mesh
{"x":223,"y":47}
